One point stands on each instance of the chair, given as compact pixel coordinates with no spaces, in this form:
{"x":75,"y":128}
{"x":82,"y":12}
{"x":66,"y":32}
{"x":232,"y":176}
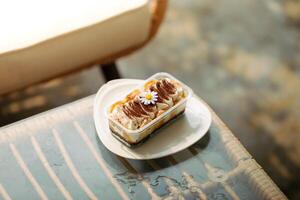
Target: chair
{"x":42,"y":40}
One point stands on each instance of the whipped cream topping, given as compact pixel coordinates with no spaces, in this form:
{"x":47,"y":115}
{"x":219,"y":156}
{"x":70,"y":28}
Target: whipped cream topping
{"x":133,"y":114}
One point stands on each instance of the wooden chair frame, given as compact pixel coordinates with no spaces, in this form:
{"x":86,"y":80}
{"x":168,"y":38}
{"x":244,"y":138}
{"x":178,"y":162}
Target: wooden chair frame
{"x":109,"y":68}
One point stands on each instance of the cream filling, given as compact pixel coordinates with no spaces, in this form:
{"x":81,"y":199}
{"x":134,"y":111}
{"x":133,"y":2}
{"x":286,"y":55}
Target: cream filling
{"x":134,"y":123}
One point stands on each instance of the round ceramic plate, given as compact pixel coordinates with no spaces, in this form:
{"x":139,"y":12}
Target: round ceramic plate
{"x":176,"y":136}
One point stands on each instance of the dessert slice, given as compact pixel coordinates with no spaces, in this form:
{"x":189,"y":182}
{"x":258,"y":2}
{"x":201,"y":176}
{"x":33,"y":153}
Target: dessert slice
{"x":146,"y":109}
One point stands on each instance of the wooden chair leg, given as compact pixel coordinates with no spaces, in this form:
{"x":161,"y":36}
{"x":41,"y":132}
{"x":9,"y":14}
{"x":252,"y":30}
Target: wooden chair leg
{"x":110,"y":71}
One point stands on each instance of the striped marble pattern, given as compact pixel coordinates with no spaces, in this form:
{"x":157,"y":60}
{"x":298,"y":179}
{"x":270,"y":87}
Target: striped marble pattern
{"x":57,"y":155}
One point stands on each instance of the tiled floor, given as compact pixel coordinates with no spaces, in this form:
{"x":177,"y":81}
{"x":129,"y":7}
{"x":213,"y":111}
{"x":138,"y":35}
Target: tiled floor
{"x":242,"y":57}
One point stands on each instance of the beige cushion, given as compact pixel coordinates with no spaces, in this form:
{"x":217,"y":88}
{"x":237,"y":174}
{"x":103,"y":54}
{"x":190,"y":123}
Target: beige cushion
{"x":41,"y":39}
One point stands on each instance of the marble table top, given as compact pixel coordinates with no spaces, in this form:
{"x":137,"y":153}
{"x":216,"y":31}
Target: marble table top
{"x":57,"y":155}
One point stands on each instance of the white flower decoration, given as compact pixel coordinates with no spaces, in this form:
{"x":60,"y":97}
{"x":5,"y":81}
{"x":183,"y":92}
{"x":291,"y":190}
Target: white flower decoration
{"x":149,"y":97}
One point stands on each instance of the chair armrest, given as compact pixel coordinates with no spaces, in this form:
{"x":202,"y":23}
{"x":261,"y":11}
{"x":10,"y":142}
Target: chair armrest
{"x":158,"y":9}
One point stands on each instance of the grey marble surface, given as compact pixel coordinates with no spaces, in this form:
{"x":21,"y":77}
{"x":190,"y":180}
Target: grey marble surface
{"x":242,"y":57}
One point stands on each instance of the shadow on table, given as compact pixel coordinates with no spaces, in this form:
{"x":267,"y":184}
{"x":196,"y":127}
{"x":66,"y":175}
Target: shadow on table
{"x":151,"y":165}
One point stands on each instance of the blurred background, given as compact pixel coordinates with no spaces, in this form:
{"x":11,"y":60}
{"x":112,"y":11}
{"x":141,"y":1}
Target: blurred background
{"x":242,"y":57}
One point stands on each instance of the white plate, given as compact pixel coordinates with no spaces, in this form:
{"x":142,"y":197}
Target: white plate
{"x":182,"y":133}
